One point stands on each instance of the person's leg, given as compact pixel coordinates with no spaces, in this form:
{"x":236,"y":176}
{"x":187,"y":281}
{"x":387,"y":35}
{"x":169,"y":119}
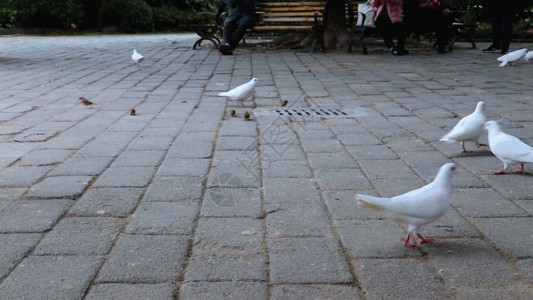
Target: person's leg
{"x":496,"y":20}
{"x":239,"y":33}
{"x":227,"y":35}
{"x":400,"y":31}
{"x":507,"y":28}
{"x":442,"y":29}
{"x":385,"y":27}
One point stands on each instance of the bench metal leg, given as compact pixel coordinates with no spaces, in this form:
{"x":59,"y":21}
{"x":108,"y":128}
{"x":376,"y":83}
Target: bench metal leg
{"x":213,"y":40}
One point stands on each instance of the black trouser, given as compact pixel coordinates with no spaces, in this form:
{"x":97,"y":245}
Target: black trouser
{"x":389,"y":30}
{"x":501,"y":16}
{"x":234,"y":32}
{"x":432,"y":19}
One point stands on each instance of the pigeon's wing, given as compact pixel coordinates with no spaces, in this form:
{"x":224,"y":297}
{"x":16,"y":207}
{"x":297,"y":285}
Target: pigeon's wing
{"x":509,"y":147}
{"x":422,"y":203}
{"x":468,"y":128}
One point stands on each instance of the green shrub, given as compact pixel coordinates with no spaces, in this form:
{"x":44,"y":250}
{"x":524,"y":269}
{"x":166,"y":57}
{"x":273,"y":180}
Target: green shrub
{"x":170,"y":17}
{"x":7,"y":17}
{"x":48,"y":13}
{"x":135,"y":16}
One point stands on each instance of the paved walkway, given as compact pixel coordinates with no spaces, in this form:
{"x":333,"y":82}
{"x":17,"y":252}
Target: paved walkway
{"x":98,"y":204}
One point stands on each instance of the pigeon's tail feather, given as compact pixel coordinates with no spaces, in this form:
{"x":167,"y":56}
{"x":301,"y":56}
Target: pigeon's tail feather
{"x":369,"y":202}
{"x":446,"y":139}
{"x":503,"y":63}
{"x":223,"y":94}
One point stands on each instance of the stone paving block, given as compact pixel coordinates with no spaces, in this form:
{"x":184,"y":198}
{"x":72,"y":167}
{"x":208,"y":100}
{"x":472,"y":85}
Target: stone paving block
{"x":50,"y":277}
{"x":174,"y":188}
{"x":373,"y":238}
{"x":286,"y":168}
{"x":81,"y":236}
{"x":290,"y":190}
{"x":398,"y":278}
{"x":387,"y":169}
{"x":22,"y":176}
{"x":66,"y":142}
{"x":512,"y":186}
{"x":471,"y":263}
{"x":163,"y":218}
{"x":342,"y":179}
{"x":228,"y":237}
{"x":503,"y":233}
{"x":11,"y":194}
{"x":160,"y":131}
{"x":151,"y":143}
{"x":238,"y":176}
{"x":298,"y":220}
{"x":496,"y":294}
{"x":59,"y":187}
{"x":287,"y":151}
{"x":231,"y":202}
{"x":116,"y":202}
{"x":359,"y":139}
{"x":184,"y":167}
{"x":13,"y":247}
{"x":331,"y":160}
{"x":363,"y":152}
{"x":237,"y":143}
{"x":125,"y":177}
{"x":45,"y":157}
{"x":82,"y":166}
{"x":140,"y":158}
{"x":527,"y":266}
{"x":230,"y":290}
{"x":308,"y":260}
{"x":32,"y":216}
{"x":161,"y":291}
{"x":238,"y":128}
{"x":406,"y":143}
{"x":484,"y":202}
{"x":197,"y":149}
{"x":205,"y":268}
{"x":390,"y":187}
{"x":145,"y":259}
{"x":341,"y":205}
{"x":315,"y":291}
{"x":326,"y":146}
{"x":95,"y":149}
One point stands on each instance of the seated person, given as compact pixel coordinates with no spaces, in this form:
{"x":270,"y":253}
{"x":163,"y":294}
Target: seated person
{"x":432,"y":14}
{"x":240,"y":18}
{"x":389,"y":20}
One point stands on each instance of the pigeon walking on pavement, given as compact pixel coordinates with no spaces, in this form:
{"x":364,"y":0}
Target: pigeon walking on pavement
{"x":417,"y":207}
{"x":137,"y":57}
{"x":507,"y":148}
{"x":469,"y":128}
{"x":529,"y":56}
{"x":242,"y":92}
{"x":512,"y":57}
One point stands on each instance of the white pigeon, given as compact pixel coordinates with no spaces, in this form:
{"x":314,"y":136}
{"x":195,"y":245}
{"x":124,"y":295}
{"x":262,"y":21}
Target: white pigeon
{"x":242,"y":92}
{"x":529,"y":56}
{"x":137,"y":57}
{"x":507,"y":148}
{"x":417,"y":207}
{"x":469,"y":128}
{"x":512,"y":57}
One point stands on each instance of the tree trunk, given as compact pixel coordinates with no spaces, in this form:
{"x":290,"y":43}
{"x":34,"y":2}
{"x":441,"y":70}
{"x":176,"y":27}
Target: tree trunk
{"x":337,"y":34}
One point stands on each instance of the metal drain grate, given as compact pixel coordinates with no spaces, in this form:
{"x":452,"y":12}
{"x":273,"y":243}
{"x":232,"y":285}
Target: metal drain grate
{"x":321,"y":112}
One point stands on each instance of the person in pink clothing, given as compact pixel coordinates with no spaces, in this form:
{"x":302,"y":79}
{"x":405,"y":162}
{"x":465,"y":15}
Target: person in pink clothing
{"x":389,"y":20}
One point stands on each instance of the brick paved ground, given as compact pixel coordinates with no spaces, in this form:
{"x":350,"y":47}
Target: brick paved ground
{"x":98,"y":204}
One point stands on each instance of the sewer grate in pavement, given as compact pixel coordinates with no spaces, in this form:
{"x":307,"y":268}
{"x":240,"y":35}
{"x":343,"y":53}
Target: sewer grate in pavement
{"x":322,"y":112}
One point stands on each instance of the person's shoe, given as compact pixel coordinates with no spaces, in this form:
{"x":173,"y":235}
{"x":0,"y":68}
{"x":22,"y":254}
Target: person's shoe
{"x":491,"y":49}
{"x":400,"y":51}
{"x":224,"y":49}
{"x":441,"y":50}
{"x":504,"y":51}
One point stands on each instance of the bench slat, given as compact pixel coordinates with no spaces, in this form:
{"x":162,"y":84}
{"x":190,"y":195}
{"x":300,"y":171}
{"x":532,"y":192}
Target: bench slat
{"x":276,"y":28}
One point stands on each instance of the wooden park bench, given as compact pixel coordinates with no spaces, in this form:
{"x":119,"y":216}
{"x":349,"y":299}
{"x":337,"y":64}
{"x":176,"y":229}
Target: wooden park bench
{"x":281,"y":18}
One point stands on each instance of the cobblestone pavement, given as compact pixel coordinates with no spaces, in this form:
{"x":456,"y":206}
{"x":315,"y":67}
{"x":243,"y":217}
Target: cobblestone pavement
{"x":98,"y":204}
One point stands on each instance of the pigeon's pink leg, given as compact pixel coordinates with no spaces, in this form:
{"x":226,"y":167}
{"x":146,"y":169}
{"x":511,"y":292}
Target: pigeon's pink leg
{"x":464,"y":149}
{"x":500,"y":172}
{"x":241,"y":102}
{"x":423,"y":240}
{"x":482,"y":145}
{"x":521,"y":170}
{"x":406,"y":242}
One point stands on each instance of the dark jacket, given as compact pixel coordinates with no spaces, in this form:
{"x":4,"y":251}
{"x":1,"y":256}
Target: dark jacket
{"x":241,"y":10}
